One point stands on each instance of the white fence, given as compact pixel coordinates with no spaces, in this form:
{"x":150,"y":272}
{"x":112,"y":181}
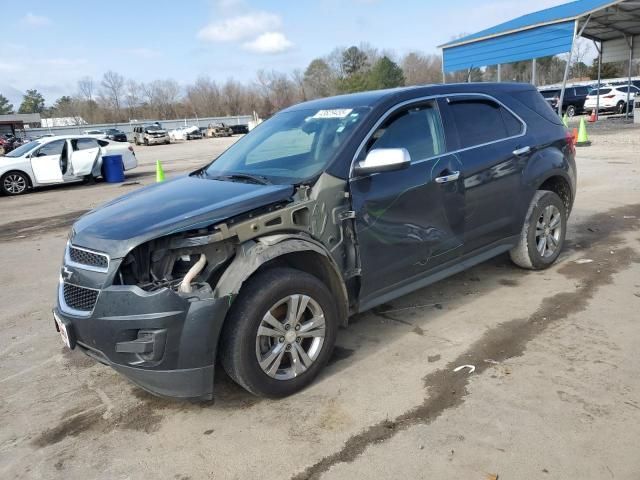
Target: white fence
{"x":128,"y":127}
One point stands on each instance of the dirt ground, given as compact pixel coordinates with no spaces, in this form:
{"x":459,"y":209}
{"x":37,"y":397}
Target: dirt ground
{"x":555,"y":393}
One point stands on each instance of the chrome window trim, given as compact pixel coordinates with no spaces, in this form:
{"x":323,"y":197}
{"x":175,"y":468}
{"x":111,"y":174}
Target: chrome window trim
{"x":82,"y":266}
{"x":434,"y":98}
{"x":72,"y":311}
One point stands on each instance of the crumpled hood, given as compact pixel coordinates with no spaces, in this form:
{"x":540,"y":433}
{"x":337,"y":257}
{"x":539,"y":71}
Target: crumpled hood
{"x":180,"y":204}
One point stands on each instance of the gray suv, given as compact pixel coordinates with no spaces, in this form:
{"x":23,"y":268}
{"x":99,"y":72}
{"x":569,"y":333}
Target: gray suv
{"x":327,"y":209}
{"x":152,"y":134}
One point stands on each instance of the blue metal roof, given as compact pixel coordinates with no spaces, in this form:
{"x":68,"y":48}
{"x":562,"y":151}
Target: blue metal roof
{"x":538,"y":42}
{"x":561,"y":13}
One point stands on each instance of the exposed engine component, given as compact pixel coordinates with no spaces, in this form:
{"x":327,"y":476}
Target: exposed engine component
{"x":185,"y":285}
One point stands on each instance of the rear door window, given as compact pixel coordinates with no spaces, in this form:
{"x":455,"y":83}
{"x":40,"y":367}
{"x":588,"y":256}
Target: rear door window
{"x":481,"y":121}
{"x":582,"y":91}
{"x":83,"y":143}
{"x":416,"y":128}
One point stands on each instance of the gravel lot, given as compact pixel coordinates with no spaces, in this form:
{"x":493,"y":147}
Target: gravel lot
{"x":555,"y":393}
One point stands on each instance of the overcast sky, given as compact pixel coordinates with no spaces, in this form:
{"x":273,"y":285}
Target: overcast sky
{"x":50,"y":45}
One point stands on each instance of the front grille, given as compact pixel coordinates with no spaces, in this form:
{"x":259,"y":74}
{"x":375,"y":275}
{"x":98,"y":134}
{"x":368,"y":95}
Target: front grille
{"x":79,"y":298}
{"x":92,"y":259}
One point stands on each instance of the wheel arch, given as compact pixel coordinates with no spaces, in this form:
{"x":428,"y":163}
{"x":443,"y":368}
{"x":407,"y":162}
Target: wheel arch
{"x":17,"y":170}
{"x":296,"y":251}
{"x":561,"y":186}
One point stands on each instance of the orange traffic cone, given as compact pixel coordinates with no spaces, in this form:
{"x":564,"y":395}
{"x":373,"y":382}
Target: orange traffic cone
{"x":593,"y":116}
{"x":575,"y":136}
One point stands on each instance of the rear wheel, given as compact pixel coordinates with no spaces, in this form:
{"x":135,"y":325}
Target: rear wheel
{"x":14,"y":183}
{"x":571,"y":111}
{"x":621,"y":107}
{"x":279,"y":333}
{"x":543,"y":232}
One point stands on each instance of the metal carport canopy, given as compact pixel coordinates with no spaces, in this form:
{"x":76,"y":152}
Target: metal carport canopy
{"x":548,"y":32}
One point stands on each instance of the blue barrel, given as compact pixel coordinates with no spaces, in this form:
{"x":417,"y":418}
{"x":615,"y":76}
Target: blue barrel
{"x":113,"y":168}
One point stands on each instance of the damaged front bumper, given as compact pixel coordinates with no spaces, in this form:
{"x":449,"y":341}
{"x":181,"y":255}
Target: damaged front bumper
{"x":162,"y":341}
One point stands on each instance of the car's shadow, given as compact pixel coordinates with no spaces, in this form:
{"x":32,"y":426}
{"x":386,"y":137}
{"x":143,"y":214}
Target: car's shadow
{"x":408,"y":315}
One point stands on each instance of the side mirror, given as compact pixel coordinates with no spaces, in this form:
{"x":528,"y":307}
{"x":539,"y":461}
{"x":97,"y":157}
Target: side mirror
{"x":383,"y":160}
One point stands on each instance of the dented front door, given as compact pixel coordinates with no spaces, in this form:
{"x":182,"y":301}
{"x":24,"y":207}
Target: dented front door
{"x":410,"y":221}
{"x":46,"y":162}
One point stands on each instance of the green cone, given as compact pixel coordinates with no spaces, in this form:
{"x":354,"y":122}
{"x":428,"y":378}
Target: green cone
{"x":583,"y":138}
{"x":159,"y":172}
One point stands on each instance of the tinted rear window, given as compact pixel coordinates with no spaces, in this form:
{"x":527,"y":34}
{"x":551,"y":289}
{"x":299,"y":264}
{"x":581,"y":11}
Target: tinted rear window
{"x":550,"y":93}
{"x":582,"y":90}
{"x":534,"y":101}
{"x":482,"y":121}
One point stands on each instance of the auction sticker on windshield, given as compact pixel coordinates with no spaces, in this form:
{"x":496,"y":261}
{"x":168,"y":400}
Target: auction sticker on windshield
{"x":334,"y":113}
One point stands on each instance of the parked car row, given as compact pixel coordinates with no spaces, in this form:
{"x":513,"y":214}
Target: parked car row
{"x":9,"y":143}
{"x":108,"y":134}
{"x":185,"y":133}
{"x":584,"y":98}
{"x":59,"y":159}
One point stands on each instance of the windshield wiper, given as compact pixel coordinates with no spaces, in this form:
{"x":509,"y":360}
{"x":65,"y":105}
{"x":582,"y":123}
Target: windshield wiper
{"x":259,"y":179}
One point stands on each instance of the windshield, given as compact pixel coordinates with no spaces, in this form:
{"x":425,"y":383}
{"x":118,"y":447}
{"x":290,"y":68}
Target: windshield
{"x":151,"y":128}
{"x":20,"y":151}
{"x":289,"y":147}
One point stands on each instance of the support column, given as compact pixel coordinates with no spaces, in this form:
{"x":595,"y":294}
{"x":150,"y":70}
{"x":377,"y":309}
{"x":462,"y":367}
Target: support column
{"x":599,"y":78}
{"x":576,"y":34}
{"x":533,"y":71}
{"x":630,"y":42}
{"x":499,"y":72}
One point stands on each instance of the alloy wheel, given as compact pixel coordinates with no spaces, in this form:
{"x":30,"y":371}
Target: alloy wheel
{"x":548,"y":231}
{"x":14,"y":183}
{"x":290,"y":337}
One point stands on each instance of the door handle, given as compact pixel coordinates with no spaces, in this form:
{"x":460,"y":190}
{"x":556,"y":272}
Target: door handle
{"x":522,"y":151}
{"x":448,"y":178}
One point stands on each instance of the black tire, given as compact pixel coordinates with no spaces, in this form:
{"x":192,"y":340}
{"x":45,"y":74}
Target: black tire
{"x":146,"y":142}
{"x":571,"y":111}
{"x":14,"y":183}
{"x":238,"y":341}
{"x":621,"y":107}
{"x":526,"y":253}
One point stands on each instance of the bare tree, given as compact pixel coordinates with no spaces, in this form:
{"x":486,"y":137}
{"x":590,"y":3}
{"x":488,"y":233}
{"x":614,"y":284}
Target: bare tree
{"x":86,"y":88}
{"x":204,"y":97}
{"x":419,"y":69}
{"x":231,"y":97}
{"x":112,"y":91}
{"x":297,"y":77}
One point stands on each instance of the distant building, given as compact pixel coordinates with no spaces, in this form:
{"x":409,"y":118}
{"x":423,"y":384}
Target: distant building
{"x":63,"y":122}
{"x":17,"y":122}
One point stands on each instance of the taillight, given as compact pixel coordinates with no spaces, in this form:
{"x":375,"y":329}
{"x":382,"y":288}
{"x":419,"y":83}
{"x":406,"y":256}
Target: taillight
{"x":131,"y":149}
{"x":571,"y":141}
{"x":609,"y":96}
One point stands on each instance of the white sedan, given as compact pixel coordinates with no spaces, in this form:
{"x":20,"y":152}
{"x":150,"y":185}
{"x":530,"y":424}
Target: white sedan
{"x":58,"y":159}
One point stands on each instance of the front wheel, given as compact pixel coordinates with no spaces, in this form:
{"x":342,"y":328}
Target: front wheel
{"x":14,"y":183}
{"x":279,"y":333}
{"x":543,"y":232}
{"x":571,"y":111}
